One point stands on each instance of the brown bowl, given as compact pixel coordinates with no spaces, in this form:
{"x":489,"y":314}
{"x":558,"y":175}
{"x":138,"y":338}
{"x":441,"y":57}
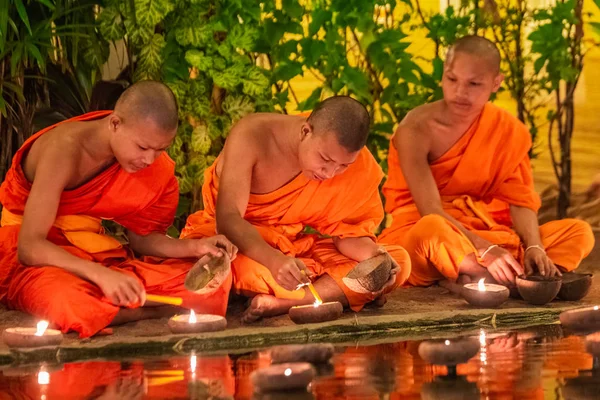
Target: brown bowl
{"x":494,"y":296}
{"x":204,"y":323}
{"x":310,"y":314}
{"x":575,"y":286}
{"x":288,"y":376}
{"x":538,"y":290}
{"x":316,"y":353}
{"x":369,"y":276}
{"x":26,"y":338}
{"x":582,"y":319}
{"x":449,"y":352}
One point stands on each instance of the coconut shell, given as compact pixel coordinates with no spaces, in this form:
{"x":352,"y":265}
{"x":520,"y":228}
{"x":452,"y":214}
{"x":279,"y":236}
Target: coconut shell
{"x":575,"y":286}
{"x":316,"y":353}
{"x":208,"y":274}
{"x":25,"y":338}
{"x":310,"y":314}
{"x":204,"y":323}
{"x":538,"y":290}
{"x":370,"y":275}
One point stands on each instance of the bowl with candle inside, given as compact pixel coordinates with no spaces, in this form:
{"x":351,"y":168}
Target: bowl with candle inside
{"x":487,"y":295}
{"x":449,"y":352}
{"x":538,"y":290}
{"x":196,"y":323}
{"x":40,"y":336}
{"x":316,"y":312}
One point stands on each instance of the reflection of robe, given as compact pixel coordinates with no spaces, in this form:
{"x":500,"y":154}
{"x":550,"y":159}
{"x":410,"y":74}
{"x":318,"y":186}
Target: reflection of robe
{"x":143,"y":202}
{"x":484,"y":171}
{"x":345,"y":206}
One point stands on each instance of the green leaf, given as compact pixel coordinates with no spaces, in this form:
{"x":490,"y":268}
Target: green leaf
{"x":286,"y":71}
{"x":197,"y":59}
{"x":196,"y":35}
{"x":311,"y":101}
{"x":318,"y":19}
{"x":200,"y":140}
{"x":3,"y":24}
{"x":230,"y":77}
{"x":357,"y":82}
{"x":138,"y":35}
{"x":149,"y":61}
{"x":35,"y":52}
{"x":292,"y":8}
{"x":312,"y":50}
{"x":242,"y":37}
{"x":438,"y":69}
{"x":150,"y":12}
{"x":237,"y":106}
{"x":256,"y":83}
{"x":539,"y":64}
{"x":111,"y":24}
{"x":48,"y":4}
{"x":22,"y":14}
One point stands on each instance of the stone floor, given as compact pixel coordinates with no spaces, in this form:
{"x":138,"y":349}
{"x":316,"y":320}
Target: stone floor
{"x":409,"y":314}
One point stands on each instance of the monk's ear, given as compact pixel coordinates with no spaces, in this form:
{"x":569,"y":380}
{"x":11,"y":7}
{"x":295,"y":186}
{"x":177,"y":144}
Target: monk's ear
{"x":114,"y":122}
{"x":306,"y":131}
{"x":497,"y":82}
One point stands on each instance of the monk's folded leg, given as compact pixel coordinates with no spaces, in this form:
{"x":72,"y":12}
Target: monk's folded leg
{"x":567,"y":242}
{"x":438,"y":250}
{"x":166,"y":277}
{"x":62,"y":298}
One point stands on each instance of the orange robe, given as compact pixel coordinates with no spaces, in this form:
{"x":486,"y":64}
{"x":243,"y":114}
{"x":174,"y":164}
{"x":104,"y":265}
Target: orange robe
{"x":345,"y":206}
{"x":143,"y":202}
{"x":478,"y":177}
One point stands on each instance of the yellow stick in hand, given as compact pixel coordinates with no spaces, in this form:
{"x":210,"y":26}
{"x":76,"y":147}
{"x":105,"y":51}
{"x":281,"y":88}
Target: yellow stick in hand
{"x":176,"y":301}
{"x":313,"y":290}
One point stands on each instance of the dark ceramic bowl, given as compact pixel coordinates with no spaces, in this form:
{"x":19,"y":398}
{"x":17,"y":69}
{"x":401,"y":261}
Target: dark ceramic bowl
{"x":538,"y":290}
{"x":575,"y":286}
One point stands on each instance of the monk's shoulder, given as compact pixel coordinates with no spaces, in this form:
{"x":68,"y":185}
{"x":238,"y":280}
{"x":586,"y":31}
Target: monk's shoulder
{"x":250,"y":132}
{"x":61,"y":145}
{"x":415,"y":128}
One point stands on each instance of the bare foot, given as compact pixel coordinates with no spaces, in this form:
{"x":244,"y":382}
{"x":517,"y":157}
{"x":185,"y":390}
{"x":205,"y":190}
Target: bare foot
{"x":265,"y":305}
{"x":378,"y":302}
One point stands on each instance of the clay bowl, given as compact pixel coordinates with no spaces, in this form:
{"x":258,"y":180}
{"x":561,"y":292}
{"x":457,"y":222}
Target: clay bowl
{"x":279,"y":377}
{"x":310,"y":314}
{"x":26,"y":338}
{"x":582,"y":319}
{"x":311,"y":353}
{"x":370,"y":275}
{"x":450,"y":389}
{"x":538,"y":290}
{"x":204,"y":323}
{"x":575,"y":286}
{"x":449,"y":352}
{"x":492,"y":297}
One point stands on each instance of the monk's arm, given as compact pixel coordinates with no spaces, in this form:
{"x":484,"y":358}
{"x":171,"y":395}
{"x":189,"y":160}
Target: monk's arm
{"x":413,"y":149}
{"x":358,"y":248}
{"x":54,"y":169}
{"x":159,"y":245}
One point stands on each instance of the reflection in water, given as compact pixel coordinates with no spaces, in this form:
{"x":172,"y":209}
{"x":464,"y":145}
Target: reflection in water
{"x":517,"y":365}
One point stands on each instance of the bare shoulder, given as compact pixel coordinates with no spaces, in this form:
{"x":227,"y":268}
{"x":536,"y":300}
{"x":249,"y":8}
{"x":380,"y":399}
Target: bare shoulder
{"x":250,"y":133}
{"x":415,"y":129}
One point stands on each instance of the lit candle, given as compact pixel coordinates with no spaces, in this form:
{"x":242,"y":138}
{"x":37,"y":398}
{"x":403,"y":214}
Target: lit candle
{"x":195,"y":323}
{"x":32,"y":337}
{"x":483,"y":294}
{"x":41,"y":328}
{"x":316,"y":312}
{"x":481,"y":285}
{"x":192,"y":319}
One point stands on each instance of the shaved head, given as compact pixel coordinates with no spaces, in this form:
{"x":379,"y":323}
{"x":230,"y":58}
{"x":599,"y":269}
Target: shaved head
{"x":346,"y":118}
{"x":149,"y":100}
{"x":476,"y":46}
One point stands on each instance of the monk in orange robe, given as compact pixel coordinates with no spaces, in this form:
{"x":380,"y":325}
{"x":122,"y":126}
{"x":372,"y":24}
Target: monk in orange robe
{"x":55,"y":260}
{"x":279,"y":175}
{"x":460,"y":186}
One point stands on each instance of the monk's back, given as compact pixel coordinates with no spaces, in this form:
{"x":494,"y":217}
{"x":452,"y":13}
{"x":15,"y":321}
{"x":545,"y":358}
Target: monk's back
{"x":266,"y":138}
{"x":70,"y":138}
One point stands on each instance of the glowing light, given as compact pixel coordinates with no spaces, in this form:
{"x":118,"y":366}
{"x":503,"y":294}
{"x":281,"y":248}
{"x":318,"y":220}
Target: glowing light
{"x":287,"y":372}
{"x":43,"y":378}
{"x":596,"y":308}
{"x":481,"y":285}
{"x":193,"y":363}
{"x":41,"y":328}
{"x":482,"y":337}
{"x":192,"y":319}
{"x":447,"y":343}
{"x":317,"y":303}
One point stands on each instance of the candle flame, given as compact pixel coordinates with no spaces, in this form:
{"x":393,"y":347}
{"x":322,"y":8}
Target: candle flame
{"x":317,"y":303}
{"x":192,"y":319}
{"x":287,"y":372}
{"x":596,"y":308}
{"x":43,"y":378}
{"x":447,"y":343}
{"x":41,"y":328}
{"x":481,"y":285}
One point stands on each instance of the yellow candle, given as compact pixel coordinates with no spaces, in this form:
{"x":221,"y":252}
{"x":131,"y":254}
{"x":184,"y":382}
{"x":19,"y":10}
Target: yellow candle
{"x":176,"y":301}
{"x":314,"y":293}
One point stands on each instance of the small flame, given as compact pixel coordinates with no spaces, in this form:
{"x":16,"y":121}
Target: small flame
{"x":596,"y":308}
{"x":192,"y":319}
{"x":43,"y":378}
{"x":447,"y":343}
{"x":317,"y":303}
{"x":193,"y":363}
{"x":287,"y":372}
{"x":481,"y":285}
{"x":41,"y":328}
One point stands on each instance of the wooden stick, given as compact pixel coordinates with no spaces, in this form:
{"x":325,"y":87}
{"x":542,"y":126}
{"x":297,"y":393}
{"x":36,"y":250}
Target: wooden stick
{"x":176,"y":301}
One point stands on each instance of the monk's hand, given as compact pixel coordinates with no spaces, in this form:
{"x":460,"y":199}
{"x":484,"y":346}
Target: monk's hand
{"x":393,"y":272}
{"x":215,"y":246}
{"x":291,"y":272}
{"x":501,"y":265}
{"x":120,"y":289}
{"x":536,"y":260}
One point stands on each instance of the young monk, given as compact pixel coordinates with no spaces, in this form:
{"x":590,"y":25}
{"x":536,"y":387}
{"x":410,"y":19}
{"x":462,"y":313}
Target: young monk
{"x":55,"y":260}
{"x":279,"y":174}
{"x":460,"y":186}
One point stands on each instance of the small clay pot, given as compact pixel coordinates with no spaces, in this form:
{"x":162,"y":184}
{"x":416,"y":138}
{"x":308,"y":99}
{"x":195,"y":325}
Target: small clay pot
{"x":582,"y":319}
{"x":575,"y":286}
{"x":370,"y":275}
{"x":538,"y":290}
{"x":316,"y":353}
{"x":310,"y":314}
{"x":287,"y":376}
{"x":204,"y":323}
{"x":449,"y":352}
{"x":208,"y":274}
{"x":492,"y":297}
{"x":26,"y":338}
